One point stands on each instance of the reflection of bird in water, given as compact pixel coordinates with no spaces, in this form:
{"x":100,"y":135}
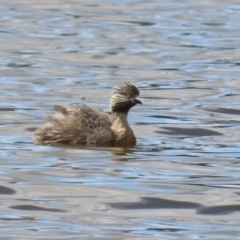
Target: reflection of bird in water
{"x":76,"y":125}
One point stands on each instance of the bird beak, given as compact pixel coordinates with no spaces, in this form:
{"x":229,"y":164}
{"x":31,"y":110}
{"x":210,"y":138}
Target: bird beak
{"x":137,"y":100}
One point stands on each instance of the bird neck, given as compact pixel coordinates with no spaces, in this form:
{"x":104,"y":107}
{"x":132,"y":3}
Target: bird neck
{"x":124,"y":136}
{"x":119,"y":121}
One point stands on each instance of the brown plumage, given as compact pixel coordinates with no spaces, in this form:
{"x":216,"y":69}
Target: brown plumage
{"x":80,"y":125}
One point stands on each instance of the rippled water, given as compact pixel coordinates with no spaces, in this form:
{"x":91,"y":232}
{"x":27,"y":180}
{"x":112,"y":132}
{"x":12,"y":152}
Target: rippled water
{"x":181,"y":181}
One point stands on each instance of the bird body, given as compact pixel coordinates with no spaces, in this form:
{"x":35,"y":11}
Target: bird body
{"x":80,"y":125}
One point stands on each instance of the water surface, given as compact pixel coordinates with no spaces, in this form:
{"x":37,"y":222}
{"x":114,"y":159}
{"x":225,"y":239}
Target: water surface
{"x":181,"y":181}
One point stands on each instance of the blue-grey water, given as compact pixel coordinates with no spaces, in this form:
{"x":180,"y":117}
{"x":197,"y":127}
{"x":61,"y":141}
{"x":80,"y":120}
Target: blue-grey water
{"x":181,"y":181}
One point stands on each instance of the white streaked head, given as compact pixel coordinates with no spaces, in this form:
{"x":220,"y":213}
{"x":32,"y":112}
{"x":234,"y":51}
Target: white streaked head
{"x":123,"y":97}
